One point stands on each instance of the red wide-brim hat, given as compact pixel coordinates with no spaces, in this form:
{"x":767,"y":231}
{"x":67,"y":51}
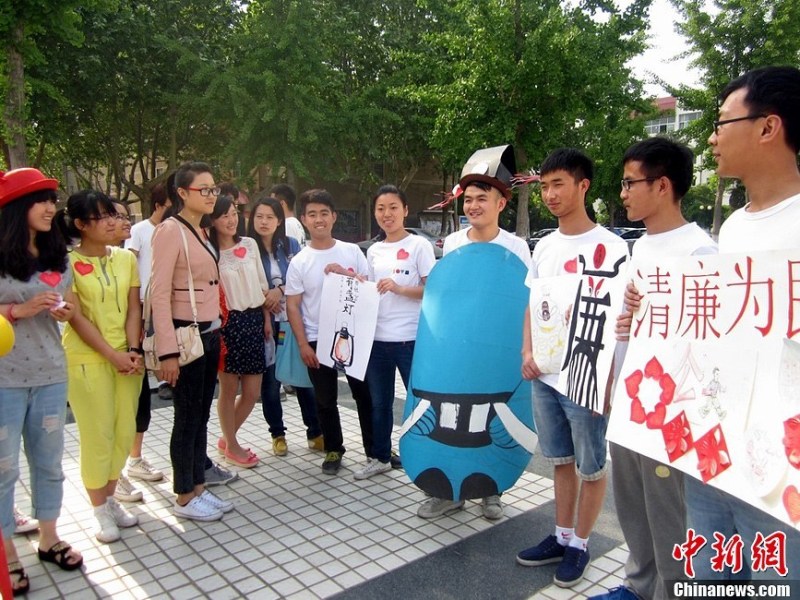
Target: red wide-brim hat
{"x":19,"y":182}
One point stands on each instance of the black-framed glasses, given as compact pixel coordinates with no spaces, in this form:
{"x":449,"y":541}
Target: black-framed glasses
{"x":104,"y":217}
{"x":206,"y":191}
{"x":726,"y":121}
{"x":627,"y":183}
{"x":122,"y":217}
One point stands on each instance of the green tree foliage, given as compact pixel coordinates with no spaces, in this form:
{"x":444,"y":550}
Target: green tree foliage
{"x":726,"y":39}
{"x":27,"y":27}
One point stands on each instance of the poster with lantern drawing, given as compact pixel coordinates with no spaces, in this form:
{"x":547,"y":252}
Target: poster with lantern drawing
{"x":347,"y":318}
{"x":711,"y":379}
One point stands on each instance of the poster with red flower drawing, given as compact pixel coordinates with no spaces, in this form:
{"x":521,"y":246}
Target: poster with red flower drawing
{"x":710,"y":383}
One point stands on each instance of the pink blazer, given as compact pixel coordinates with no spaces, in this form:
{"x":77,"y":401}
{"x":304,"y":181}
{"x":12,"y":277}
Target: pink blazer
{"x":169,"y":282}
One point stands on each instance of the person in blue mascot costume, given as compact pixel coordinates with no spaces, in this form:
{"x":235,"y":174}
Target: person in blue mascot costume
{"x":468,"y":428}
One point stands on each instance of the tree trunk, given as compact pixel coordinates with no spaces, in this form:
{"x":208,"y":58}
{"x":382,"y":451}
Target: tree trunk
{"x":15,"y":100}
{"x":523,"y":228}
{"x":718,"y":209}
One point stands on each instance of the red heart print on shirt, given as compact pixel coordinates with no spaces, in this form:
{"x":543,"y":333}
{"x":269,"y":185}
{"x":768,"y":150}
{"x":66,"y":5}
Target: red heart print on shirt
{"x":571,"y":266}
{"x":50,"y":278}
{"x":402,"y":254}
{"x":240,"y":252}
{"x":84,"y":268}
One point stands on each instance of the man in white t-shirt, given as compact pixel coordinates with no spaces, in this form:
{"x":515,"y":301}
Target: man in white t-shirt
{"x":285,"y":194}
{"x":139,"y":244}
{"x":486,"y":185}
{"x":755,"y":140}
{"x":304,"y":280}
{"x":648,"y":495}
{"x":571,"y":437}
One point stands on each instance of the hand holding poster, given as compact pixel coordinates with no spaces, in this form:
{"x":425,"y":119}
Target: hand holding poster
{"x":347,"y":318}
{"x":711,"y":379}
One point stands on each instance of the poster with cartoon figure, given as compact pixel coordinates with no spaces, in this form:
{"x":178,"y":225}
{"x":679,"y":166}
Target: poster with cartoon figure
{"x":551,"y":301}
{"x":591,"y":340}
{"x":347,"y":318}
{"x":711,"y":380}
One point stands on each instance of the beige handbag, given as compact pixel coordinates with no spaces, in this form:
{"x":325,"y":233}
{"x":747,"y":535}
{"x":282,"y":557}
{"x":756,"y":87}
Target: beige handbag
{"x":190,"y":345}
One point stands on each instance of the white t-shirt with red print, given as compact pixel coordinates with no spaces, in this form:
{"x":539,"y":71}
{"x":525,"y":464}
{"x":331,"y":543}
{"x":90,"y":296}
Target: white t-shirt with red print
{"x":406,"y":262}
{"x":557,"y":254}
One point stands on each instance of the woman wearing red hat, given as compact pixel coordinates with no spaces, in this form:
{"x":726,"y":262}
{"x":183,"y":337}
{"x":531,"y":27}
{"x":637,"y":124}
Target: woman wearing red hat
{"x":35,"y":292}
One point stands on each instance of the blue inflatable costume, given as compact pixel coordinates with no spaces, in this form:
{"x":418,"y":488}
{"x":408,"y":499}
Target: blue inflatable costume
{"x":468,"y":427}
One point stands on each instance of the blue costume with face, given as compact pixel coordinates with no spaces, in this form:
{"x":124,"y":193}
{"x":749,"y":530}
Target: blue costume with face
{"x":468,"y":422}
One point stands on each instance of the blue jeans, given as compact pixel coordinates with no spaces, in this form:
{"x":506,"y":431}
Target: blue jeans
{"x":37,"y":416}
{"x":384,"y":359}
{"x":709,"y":509}
{"x":273,"y":411}
{"x":569,"y":433}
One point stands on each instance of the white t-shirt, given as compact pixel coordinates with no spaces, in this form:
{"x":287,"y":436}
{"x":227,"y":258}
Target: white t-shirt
{"x":306,"y":275}
{"x":294,"y":228}
{"x":141,"y":236}
{"x":555,"y":254}
{"x":406,"y":262}
{"x":774,"y":228}
{"x":686,"y":240}
{"x":505,"y":239}
{"x":239,"y":269}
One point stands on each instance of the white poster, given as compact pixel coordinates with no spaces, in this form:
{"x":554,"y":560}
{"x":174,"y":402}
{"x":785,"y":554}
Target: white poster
{"x":590,"y":342}
{"x":551,"y":302}
{"x":347,"y":318}
{"x":711,"y":379}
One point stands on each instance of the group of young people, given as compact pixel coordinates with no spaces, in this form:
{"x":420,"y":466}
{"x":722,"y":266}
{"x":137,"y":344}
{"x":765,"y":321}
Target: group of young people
{"x":190,"y":266}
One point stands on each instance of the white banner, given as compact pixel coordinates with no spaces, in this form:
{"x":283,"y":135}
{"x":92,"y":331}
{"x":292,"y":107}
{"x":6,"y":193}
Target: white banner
{"x":347,"y":318}
{"x":711,"y":380}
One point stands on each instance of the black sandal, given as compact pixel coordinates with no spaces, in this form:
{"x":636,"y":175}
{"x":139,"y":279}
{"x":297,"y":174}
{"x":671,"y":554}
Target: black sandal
{"x":58,"y":556}
{"x":19,"y":577}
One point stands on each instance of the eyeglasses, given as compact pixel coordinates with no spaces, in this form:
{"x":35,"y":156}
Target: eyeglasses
{"x":206,"y":191}
{"x":104,"y":217}
{"x":627,"y":183}
{"x":121,"y":217}
{"x":726,"y":121}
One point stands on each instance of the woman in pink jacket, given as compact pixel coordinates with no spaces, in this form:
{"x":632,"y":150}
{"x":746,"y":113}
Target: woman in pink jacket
{"x":194,"y":383}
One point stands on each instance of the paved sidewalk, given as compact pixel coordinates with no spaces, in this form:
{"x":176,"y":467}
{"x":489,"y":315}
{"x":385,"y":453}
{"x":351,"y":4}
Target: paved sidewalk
{"x":297,"y":533}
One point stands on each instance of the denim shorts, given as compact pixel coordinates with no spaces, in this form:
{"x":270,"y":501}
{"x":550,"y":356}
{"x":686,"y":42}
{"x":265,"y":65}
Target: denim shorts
{"x":569,"y":433}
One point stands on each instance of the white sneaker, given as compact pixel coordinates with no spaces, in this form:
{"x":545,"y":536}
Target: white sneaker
{"x":24,"y":523}
{"x":139,"y":468}
{"x":197,"y":510}
{"x":373,"y":467}
{"x":125,"y":492}
{"x":213,"y":500}
{"x":437,"y":507}
{"x":492,"y":508}
{"x":122,"y":517}
{"x":107,"y":530}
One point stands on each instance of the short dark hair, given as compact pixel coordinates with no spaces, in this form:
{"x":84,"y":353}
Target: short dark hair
{"x":158,"y":195}
{"x":316,"y":196}
{"x":482,"y":185}
{"x":571,"y":160}
{"x":229,"y":189}
{"x":285,"y":192}
{"x":772,"y":90}
{"x":183,"y":177}
{"x":663,"y":157}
